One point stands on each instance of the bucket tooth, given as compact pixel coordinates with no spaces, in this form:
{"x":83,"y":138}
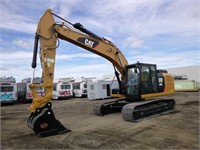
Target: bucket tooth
{"x":44,"y":123}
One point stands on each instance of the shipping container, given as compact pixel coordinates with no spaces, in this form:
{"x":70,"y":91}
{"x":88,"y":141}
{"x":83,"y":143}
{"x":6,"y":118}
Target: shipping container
{"x":99,"y":90}
{"x":185,"y":85}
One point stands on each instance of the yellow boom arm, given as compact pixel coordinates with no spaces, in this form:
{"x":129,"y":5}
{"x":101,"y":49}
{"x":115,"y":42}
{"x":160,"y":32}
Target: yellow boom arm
{"x":48,"y":32}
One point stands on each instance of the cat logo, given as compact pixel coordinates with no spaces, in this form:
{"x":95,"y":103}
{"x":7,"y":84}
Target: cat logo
{"x":88,"y":42}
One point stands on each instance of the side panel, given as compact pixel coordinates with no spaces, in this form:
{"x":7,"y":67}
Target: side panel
{"x":169,"y":88}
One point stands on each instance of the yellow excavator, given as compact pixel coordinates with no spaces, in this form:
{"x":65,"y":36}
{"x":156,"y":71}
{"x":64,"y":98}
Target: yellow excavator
{"x":140,"y":84}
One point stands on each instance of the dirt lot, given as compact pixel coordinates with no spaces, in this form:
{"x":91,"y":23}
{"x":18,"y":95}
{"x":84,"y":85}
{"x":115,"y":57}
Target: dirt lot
{"x":178,"y":130}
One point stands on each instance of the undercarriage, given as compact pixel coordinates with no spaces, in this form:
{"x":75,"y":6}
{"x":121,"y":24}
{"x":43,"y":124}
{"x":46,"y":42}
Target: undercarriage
{"x":136,"y":111}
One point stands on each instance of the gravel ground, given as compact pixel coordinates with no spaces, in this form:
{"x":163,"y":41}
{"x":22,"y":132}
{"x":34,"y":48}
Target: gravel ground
{"x":177,"y":130}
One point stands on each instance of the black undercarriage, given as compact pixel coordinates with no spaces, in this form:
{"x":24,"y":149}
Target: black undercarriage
{"x":136,"y":111}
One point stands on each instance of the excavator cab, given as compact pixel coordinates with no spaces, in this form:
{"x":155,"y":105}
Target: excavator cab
{"x":140,"y":79}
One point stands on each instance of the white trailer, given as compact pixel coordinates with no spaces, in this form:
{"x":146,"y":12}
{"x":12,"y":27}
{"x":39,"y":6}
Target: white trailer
{"x":25,"y":93}
{"x":62,"y":90}
{"x":80,"y":89}
{"x":8,"y":90}
{"x":99,"y":90}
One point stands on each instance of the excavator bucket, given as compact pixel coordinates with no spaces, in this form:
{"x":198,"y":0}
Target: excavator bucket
{"x":44,"y":123}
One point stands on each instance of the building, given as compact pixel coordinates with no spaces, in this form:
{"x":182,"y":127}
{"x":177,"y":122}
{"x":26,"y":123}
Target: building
{"x":187,"y":72}
{"x":192,"y":72}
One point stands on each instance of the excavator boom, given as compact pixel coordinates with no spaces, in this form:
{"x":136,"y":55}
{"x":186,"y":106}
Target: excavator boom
{"x":48,"y":33}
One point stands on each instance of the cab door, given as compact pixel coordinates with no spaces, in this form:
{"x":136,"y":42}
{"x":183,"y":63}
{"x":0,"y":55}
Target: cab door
{"x":149,"y":81}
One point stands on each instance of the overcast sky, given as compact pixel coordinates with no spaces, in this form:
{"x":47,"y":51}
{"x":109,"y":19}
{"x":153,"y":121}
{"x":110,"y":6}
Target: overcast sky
{"x":162,"y":32}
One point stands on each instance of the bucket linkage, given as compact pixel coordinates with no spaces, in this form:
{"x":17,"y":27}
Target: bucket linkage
{"x":44,"y":123}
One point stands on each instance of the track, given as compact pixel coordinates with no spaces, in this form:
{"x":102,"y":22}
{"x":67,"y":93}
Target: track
{"x":136,"y":111}
{"x":143,"y":110}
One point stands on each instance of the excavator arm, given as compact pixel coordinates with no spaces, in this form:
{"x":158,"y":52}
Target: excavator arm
{"x":48,"y":33}
{"x":47,"y":36}
{"x":48,"y":40}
